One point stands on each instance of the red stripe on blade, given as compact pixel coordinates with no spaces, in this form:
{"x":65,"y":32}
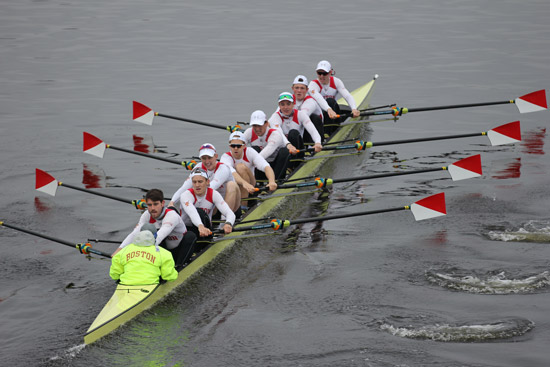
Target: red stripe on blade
{"x":435,"y":202}
{"x":43,"y":178}
{"x":140,"y":109}
{"x":538,"y":98}
{"x":511,"y":130}
{"x":90,"y":141}
{"x":472,"y":163}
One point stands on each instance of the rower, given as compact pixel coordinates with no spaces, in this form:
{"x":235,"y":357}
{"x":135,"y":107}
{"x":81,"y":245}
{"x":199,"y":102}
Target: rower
{"x":269,"y":142}
{"x":140,"y":263}
{"x":325,"y":90}
{"x":221,"y":178}
{"x":293,"y":123}
{"x":171,"y":233}
{"x":304,"y":102}
{"x":245,"y":161}
{"x":203,"y":199}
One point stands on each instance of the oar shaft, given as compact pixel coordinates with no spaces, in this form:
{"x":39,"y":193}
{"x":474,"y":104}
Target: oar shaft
{"x":383,"y":175}
{"x":449,"y":107}
{"x":146,"y":155}
{"x":418,"y":140}
{"x":96,"y":193}
{"x":54,"y":239}
{"x":319,"y":219}
{"x":192,"y":121}
{"x":347,"y":215}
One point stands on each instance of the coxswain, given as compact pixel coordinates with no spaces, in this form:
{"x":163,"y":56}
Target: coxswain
{"x":304,"y":102}
{"x":204,"y":199}
{"x":293,"y":123}
{"x":221,"y":178}
{"x":142,"y":263}
{"x":325,"y":89}
{"x":269,"y":142}
{"x":171,"y":233}
{"x":245,"y":161}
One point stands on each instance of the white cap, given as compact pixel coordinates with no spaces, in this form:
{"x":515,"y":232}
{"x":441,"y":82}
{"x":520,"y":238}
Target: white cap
{"x":197,"y":171}
{"x":257,"y":118}
{"x":286,"y":96}
{"x":144,"y":238}
{"x":237,"y":135}
{"x":324,"y":65}
{"x":300,"y":79}
{"x":207,"y":149}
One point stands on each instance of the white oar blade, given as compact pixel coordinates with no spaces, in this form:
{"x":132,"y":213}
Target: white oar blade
{"x":532,"y":102}
{"x":93,"y":145}
{"x":46,"y":182}
{"x":430,"y":207}
{"x":142,"y":113}
{"x":509,"y":133}
{"x":466,"y":168}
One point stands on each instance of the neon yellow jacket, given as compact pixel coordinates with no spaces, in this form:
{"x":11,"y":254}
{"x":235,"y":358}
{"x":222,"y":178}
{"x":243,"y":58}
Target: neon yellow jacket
{"x":140,"y":265}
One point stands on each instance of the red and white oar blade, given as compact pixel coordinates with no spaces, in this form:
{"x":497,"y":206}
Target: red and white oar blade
{"x":430,"y":207}
{"x":142,"y":113}
{"x":46,"y":182}
{"x":466,"y":168}
{"x":509,"y":133}
{"x":93,"y":145}
{"x":532,"y":102}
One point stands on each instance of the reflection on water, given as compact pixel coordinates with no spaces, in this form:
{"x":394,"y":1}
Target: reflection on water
{"x":506,"y":169}
{"x":143,"y":144}
{"x":93,"y":177}
{"x":533,"y":141}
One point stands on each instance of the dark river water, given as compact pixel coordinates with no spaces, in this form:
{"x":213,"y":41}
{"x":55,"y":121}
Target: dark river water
{"x":468,"y":289}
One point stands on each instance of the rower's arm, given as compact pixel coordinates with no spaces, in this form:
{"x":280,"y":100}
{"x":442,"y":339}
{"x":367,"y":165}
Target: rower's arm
{"x":315,"y":92}
{"x":176,"y":197}
{"x":310,"y":127}
{"x":223,"y":208}
{"x":188,"y":206}
{"x":345,"y":93}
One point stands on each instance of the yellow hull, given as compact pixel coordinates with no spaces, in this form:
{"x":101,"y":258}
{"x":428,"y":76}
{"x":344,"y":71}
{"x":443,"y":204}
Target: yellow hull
{"x":129,"y":301}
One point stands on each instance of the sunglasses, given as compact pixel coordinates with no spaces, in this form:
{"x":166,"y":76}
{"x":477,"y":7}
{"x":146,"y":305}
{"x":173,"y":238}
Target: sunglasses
{"x":322,"y":73}
{"x":236,"y":145}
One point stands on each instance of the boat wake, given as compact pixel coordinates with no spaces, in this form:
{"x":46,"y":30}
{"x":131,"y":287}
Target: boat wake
{"x":464,"y":332}
{"x":495,"y":282}
{"x":531,"y":231}
{"x":70,"y":353}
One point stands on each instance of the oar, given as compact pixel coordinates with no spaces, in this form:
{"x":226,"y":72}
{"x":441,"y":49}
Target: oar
{"x":429,"y":207}
{"x":532,"y":102}
{"x":96,"y":147}
{"x":84,"y":248}
{"x":505,"y":134}
{"x":145,"y":115}
{"x":460,"y":170}
{"x":48,"y":184}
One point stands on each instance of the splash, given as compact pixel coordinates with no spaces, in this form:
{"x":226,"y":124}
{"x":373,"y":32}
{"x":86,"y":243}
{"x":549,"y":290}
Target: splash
{"x":500,"y":329}
{"x":70,"y":353}
{"x":531,"y":231}
{"x":491,"y":283}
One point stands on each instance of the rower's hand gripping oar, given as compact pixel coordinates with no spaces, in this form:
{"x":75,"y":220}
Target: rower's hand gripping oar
{"x":463,"y":169}
{"x":532,"y":102}
{"x":96,"y":147}
{"x":48,"y":184}
{"x":429,"y":207}
{"x":505,"y":134}
{"x":84,"y":248}
{"x":145,"y":115}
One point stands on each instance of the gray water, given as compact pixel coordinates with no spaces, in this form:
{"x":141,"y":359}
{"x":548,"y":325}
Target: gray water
{"x":359,"y":291}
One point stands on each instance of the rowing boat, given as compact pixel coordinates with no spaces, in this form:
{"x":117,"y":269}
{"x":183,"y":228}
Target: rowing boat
{"x":129,"y":301}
